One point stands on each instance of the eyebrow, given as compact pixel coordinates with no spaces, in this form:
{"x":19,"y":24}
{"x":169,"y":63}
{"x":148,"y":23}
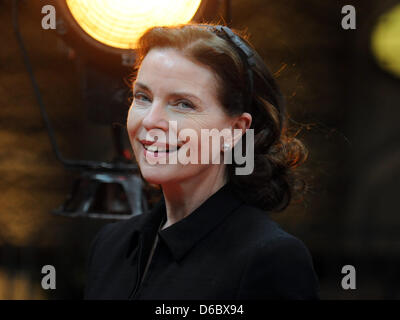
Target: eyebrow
{"x":185,"y":94}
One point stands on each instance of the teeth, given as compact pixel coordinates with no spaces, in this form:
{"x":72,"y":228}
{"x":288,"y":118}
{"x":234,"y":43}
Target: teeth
{"x":159,"y":149}
{"x":152,"y":148}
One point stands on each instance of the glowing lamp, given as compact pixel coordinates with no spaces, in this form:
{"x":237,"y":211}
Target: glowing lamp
{"x":119,"y":23}
{"x":385,"y":41}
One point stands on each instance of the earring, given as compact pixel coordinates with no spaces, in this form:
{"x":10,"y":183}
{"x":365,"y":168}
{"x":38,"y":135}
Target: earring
{"x":227,"y":146}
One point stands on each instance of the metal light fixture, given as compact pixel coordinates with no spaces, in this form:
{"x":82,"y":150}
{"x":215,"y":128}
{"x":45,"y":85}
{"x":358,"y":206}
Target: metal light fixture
{"x":105,"y":195}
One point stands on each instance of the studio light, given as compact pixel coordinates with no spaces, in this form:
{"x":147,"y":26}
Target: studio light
{"x":385,"y":41}
{"x":119,"y":23}
{"x":107,"y":31}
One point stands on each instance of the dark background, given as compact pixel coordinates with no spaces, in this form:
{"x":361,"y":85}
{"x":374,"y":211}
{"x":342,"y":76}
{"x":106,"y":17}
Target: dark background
{"x":344,"y":105}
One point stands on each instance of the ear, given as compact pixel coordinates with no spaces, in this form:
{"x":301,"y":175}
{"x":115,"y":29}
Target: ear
{"x":242,"y":123}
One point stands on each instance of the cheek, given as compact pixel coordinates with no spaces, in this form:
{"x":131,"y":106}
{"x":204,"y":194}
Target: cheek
{"x":133,"y":123}
{"x":208,"y":148}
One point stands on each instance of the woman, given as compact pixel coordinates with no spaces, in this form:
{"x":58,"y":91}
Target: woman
{"x":210,"y":236}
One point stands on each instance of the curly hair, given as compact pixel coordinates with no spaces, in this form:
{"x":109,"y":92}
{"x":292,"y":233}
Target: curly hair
{"x":274,"y":180}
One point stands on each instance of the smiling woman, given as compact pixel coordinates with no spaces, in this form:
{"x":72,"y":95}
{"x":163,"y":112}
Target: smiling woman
{"x":210,"y":236}
{"x":196,"y":107}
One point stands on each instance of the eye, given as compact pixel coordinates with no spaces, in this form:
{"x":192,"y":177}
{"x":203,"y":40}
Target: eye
{"x":141,"y":97}
{"x":184,"y":104}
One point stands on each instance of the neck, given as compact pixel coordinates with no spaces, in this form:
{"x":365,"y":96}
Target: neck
{"x":182,"y":198}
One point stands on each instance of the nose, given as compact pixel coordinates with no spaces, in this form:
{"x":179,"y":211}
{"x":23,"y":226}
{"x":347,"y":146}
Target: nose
{"x":156,"y":117}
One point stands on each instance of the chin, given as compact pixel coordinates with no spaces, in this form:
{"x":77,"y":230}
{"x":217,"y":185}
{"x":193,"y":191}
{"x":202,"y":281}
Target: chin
{"x":158,"y":174}
{"x":166,"y":174}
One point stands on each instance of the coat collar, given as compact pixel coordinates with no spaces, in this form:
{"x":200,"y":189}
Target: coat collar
{"x":184,"y":234}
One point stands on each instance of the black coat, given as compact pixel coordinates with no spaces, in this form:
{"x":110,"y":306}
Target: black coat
{"x":225,"y":249}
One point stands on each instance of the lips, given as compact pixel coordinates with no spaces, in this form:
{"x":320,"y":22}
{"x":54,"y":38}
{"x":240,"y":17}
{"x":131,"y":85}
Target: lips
{"x":159,"y":147}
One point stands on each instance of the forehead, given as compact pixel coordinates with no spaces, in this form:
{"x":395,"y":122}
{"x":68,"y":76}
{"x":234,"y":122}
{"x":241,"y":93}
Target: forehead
{"x":167,"y":68}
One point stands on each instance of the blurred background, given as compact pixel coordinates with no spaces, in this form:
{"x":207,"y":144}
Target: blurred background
{"x":343,"y":93}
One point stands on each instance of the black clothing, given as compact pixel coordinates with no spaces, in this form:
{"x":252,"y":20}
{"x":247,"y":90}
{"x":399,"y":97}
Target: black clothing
{"x":225,"y":249}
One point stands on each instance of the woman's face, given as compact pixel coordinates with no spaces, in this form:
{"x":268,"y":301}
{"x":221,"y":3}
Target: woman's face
{"x":171,"y":89}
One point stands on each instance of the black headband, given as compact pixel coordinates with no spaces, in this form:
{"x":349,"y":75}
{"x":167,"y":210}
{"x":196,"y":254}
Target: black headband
{"x":244,"y":52}
{"x":253,"y":61}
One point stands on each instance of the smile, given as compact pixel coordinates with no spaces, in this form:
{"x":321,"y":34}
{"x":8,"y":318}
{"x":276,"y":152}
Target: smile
{"x":158,"y":149}
{"x":155,"y":149}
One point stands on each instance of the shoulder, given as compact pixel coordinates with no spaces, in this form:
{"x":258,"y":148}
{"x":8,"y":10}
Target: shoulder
{"x":278,"y":265}
{"x":108,"y":249}
{"x":116,"y":239}
{"x":265,"y":236}
{"x":259,"y":228}
{"x":116,"y":233}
